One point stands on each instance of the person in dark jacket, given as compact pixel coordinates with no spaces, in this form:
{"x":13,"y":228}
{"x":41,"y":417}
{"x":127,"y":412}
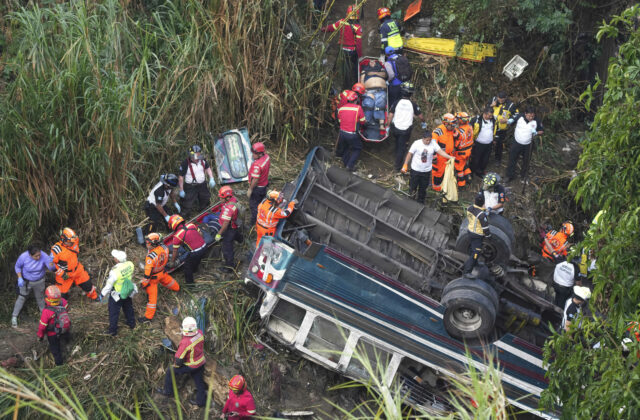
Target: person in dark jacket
{"x":478,"y":229}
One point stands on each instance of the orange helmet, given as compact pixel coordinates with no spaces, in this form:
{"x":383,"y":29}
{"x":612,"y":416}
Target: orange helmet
{"x":258,"y":147}
{"x":175,"y":220}
{"x":274,"y":195}
{"x":52,"y":296}
{"x":359,"y":88}
{"x":383,"y":12}
{"x":351,"y":96}
{"x":237,"y":383}
{"x":567,"y":228}
{"x":350,"y":10}
{"x":462,"y":116}
{"x":449,"y":121}
{"x":153,"y":238}
{"x":68,"y":235}
{"x":225,"y":192}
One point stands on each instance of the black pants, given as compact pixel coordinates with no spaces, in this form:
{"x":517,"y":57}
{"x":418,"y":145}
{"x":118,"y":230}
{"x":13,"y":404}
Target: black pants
{"x":257,"y":195}
{"x":55,"y":346}
{"x":402,"y":138}
{"x":498,"y":141}
{"x":228,"y":237}
{"x":393,"y":94}
{"x":191,"y":264}
{"x":350,"y":68}
{"x":353,"y":149}
{"x":480,"y":158}
{"x":342,"y":146}
{"x":517,"y":150}
{"x":419,"y":181}
{"x":562,"y":294}
{"x":193,"y":193}
{"x":475,"y":249}
{"x":196,"y":374}
{"x":114,"y":314}
{"x":157,"y":222}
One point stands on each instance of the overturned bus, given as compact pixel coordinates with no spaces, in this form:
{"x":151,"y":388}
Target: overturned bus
{"x":359,"y":270}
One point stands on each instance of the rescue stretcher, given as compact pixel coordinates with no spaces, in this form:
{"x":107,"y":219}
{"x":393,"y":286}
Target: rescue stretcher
{"x":371,"y":131}
{"x":208,"y":231}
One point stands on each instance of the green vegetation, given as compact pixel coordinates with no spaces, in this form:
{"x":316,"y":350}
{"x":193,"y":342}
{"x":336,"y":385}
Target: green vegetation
{"x":102,"y":98}
{"x":601,"y":383}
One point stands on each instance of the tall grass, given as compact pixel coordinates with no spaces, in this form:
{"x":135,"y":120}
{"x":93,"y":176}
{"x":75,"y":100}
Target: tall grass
{"x":102,"y":97}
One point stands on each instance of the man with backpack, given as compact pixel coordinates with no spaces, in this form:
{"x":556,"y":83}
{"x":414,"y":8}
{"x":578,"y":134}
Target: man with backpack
{"x":120,"y":285}
{"x":55,"y":322}
{"x":399,"y":71}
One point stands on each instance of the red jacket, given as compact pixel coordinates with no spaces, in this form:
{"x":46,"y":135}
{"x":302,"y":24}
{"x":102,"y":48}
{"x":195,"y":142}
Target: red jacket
{"x":260,"y":169}
{"x":191,"y":350}
{"x":190,"y":235}
{"x":242,"y":404}
{"x":350,"y":35}
{"x":47,"y":320}
{"x":349,"y":116}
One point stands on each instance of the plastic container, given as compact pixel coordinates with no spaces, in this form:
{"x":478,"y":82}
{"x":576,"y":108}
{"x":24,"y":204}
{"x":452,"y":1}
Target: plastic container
{"x":514,"y":67}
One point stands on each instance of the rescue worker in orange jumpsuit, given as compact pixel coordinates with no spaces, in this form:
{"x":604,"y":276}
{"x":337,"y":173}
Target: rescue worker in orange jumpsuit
{"x":240,"y":404}
{"x":462,"y":150}
{"x":228,"y":232}
{"x":446,"y":135}
{"x":270,"y":213}
{"x":69,"y":270}
{"x":555,"y":243}
{"x":154,"y":273}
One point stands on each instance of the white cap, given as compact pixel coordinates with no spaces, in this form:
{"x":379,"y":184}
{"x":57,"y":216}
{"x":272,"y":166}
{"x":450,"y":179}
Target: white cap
{"x":120,"y":256}
{"x":582,"y":292}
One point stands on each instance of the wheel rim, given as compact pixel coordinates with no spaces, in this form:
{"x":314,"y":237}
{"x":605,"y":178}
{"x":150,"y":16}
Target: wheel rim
{"x":466,"y":319}
{"x":489,"y":252}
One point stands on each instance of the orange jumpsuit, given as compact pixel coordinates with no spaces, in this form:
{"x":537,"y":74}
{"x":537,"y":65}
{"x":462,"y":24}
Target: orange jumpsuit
{"x":446,"y":140}
{"x":66,"y":262}
{"x":269,"y":214}
{"x":558,"y":241}
{"x":462,"y":153}
{"x":154,"y":273}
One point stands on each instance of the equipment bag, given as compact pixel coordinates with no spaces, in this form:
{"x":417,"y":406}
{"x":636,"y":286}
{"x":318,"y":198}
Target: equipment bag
{"x":61,"y":320}
{"x":403,"y":68}
{"x":449,"y":183}
{"x":126,"y":289}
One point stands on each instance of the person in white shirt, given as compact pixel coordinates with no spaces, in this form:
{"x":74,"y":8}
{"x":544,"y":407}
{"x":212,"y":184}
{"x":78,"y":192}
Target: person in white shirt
{"x":564,"y":278}
{"x":401,"y":115}
{"x":192,"y":180}
{"x":484,"y":128}
{"x":115,"y":287}
{"x":421,"y":158}
{"x":527,"y":126}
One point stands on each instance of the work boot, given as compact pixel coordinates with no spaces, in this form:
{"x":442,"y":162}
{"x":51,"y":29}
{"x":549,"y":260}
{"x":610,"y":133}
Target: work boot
{"x":194,"y":402}
{"x":143,"y":320}
{"x":14,"y":322}
{"x":227,"y":270}
{"x":161,"y":392}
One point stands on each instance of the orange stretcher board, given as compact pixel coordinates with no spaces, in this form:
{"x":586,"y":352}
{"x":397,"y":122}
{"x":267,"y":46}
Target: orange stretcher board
{"x":412,"y":10}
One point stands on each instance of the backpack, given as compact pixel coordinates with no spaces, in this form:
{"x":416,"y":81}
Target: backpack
{"x":126,"y":289}
{"x":402,"y":68}
{"x":62,"y":322}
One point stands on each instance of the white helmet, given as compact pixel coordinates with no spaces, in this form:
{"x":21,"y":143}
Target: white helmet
{"x":189,"y":326}
{"x":582,"y":292}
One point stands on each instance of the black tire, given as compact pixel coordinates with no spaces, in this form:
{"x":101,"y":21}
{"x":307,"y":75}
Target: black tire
{"x":478,"y":285}
{"x":497,"y":249}
{"x":504,"y":225}
{"x":469,"y":314}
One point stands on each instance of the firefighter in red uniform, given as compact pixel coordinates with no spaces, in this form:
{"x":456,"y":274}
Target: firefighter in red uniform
{"x":228,"y":227}
{"x":446,"y":135}
{"x":187,"y":234}
{"x":462,"y":150}
{"x":555,"y":243}
{"x":154,"y":273}
{"x":350,"y":116}
{"x":240,"y":404}
{"x":69,"y":270}
{"x":270,"y":213}
{"x":258,"y":178}
{"x":55,"y":304}
{"x":350,"y":43}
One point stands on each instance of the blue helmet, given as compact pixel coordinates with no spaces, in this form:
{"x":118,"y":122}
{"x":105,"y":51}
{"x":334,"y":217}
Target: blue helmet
{"x":389,"y":50}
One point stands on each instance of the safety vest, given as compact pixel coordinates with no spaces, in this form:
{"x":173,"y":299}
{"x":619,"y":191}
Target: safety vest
{"x":269,"y":214}
{"x":465,"y":139}
{"x":156,"y":260}
{"x":393,"y":37}
{"x":123,"y":271}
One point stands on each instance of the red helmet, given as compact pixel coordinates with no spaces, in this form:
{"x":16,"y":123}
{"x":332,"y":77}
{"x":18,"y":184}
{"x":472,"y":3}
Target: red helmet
{"x":258,"y":147}
{"x":174,"y":221}
{"x":52,"y":296}
{"x":383,"y":12}
{"x":237,"y":383}
{"x":350,"y":10}
{"x":567,"y":228}
{"x":462,"y":116}
{"x":359,"y":88}
{"x":226,"y":191}
{"x":351,"y":96}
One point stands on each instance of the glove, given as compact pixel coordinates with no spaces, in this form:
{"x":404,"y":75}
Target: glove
{"x":212,"y":183}
{"x":181,"y":194}
{"x":20,"y":282}
{"x":387,"y":129}
{"x":166,"y":218}
{"x":177,"y":206}
{"x":489,"y":209}
{"x":65,"y":276}
{"x":40,"y":338}
{"x":405,"y":168}
{"x":423,"y":125}
{"x":218,"y":237}
{"x":510,"y":121}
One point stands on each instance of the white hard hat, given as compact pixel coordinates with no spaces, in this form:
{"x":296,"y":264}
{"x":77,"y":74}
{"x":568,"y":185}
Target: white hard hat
{"x":189,"y":326}
{"x":121,"y":256}
{"x":582,"y":292}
